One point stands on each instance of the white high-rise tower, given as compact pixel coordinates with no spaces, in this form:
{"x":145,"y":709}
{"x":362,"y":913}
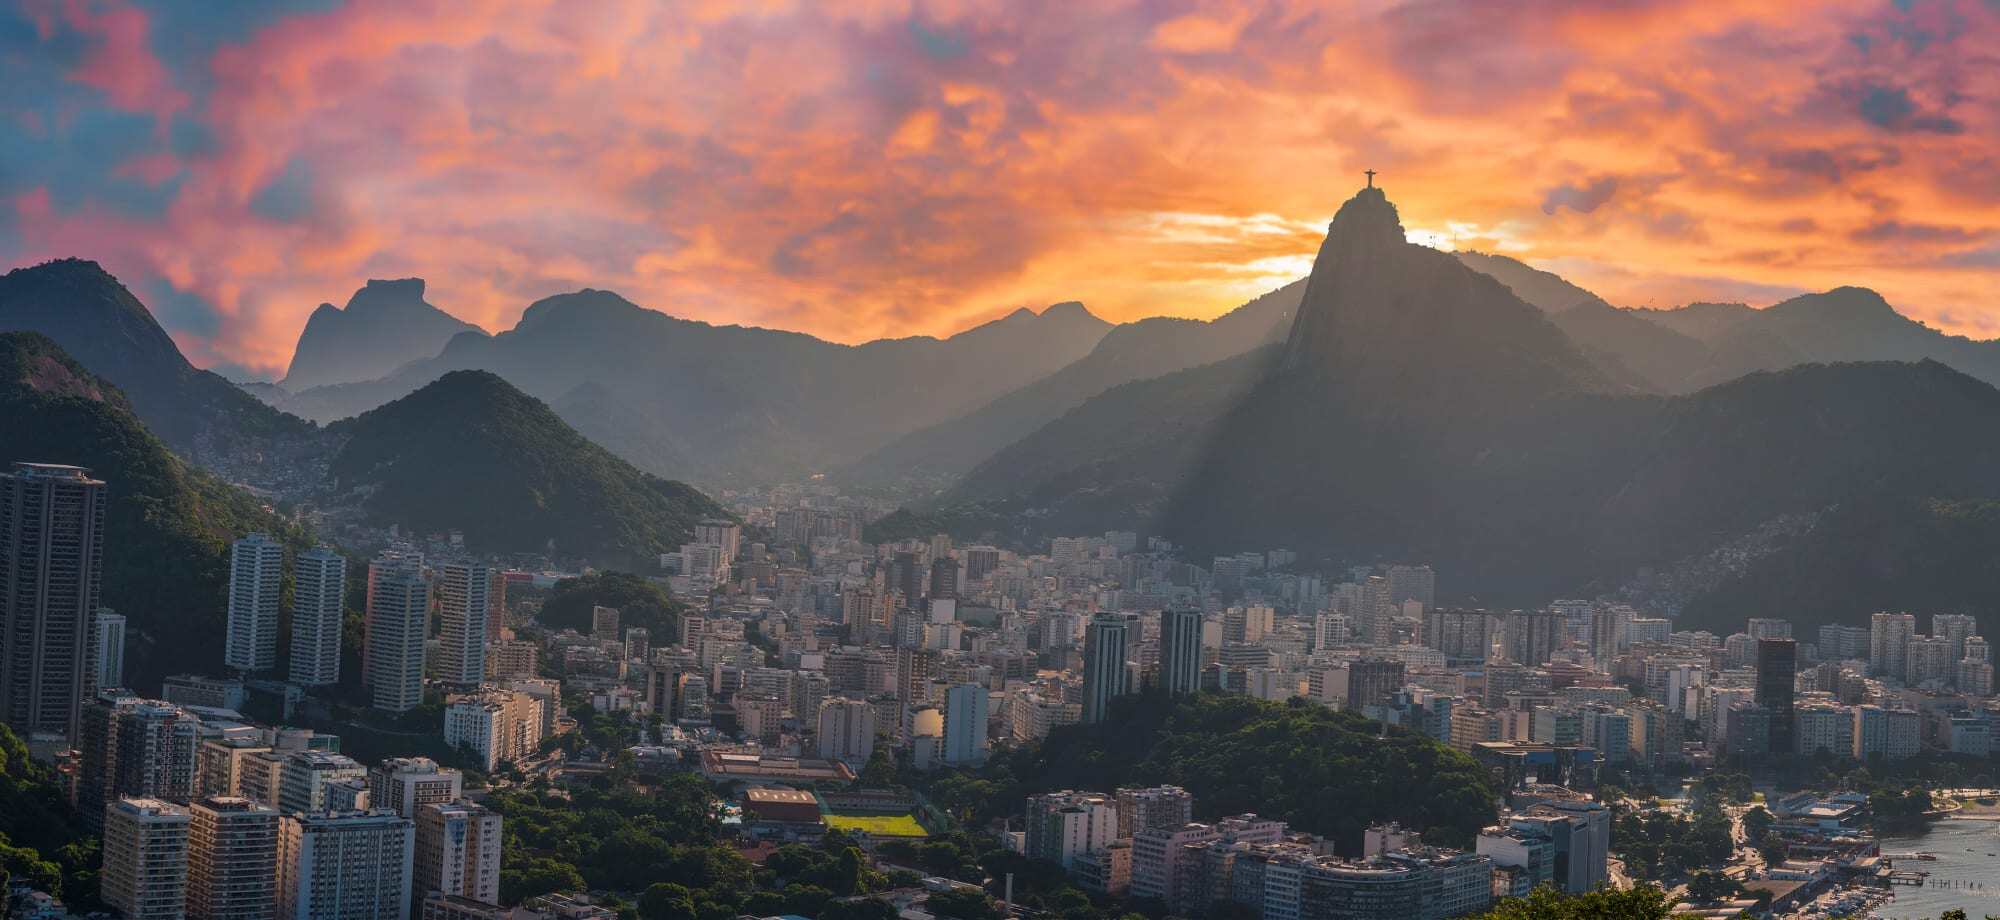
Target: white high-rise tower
{"x":464,"y":592}
{"x":256,"y":573}
{"x":398,"y":611}
{"x":319,"y":599}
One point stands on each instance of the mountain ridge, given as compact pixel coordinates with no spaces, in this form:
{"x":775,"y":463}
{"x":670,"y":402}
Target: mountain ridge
{"x":385,"y":325}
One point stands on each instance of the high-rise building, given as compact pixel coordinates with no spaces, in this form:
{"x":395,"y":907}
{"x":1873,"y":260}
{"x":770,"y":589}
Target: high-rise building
{"x":604,"y":624}
{"x":303,"y":778}
{"x":1889,"y":643}
{"x":108,"y":640}
{"x":1768,"y":628}
{"x":398,"y":615}
{"x":345,"y":866}
{"x":130,"y":747}
{"x":496,"y":605}
{"x":1158,"y":807}
{"x":1532,"y":636}
{"x":1464,"y":636}
{"x":1840,"y":643}
{"x":319,"y":604}
{"x":1412,"y":583}
{"x":1929,"y":661}
{"x":1180,"y":650}
{"x":51,"y":562}
{"x":457,"y":852}
{"x":256,"y":575}
{"x":1371,"y":682}
{"x":1103,"y":665}
{"x":463,"y":608}
{"x":499,"y":726}
{"x":967,"y":708}
{"x":724,"y":534}
{"x":1376,"y":620}
{"x":405,"y":784}
{"x":1777,"y":677}
{"x":145,"y":871}
{"x":846,"y":730}
{"x":1063,"y":827}
{"x":1954,"y":628}
{"x":232,"y":858}
{"x":944,"y":577}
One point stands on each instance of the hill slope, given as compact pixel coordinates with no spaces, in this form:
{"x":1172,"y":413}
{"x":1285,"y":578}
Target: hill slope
{"x":167,"y":525}
{"x":471,"y":452}
{"x":102,"y":326}
{"x":768,"y":404}
{"x":1130,"y":351}
{"x":385,"y":325}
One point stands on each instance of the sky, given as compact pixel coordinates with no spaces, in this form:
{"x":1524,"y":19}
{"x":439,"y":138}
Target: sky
{"x":869,"y":168}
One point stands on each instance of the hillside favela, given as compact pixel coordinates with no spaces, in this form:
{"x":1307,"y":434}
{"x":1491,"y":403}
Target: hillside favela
{"x":935,"y":460}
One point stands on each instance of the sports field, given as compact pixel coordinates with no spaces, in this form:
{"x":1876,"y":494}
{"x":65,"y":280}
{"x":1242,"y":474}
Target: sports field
{"x":878,"y":825}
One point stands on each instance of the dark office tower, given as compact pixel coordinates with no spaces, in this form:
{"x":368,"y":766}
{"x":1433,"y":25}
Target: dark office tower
{"x":1777,"y":675}
{"x":1180,"y":650}
{"x":907,"y":576}
{"x":944,"y":577}
{"x":980,"y":561}
{"x":1103,"y":665}
{"x":51,"y":557}
{"x":1532,"y":636}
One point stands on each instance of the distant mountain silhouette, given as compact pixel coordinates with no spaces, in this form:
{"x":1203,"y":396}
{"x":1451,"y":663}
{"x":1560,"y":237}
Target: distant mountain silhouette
{"x":385,"y":325}
{"x":1709,"y":343}
{"x":744,"y":404}
{"x":1131,"y":351}
{"x":101,"y":325}
{"x":471,"y":452}
{"x":1420,"y":409}
{"x":167,"y":522}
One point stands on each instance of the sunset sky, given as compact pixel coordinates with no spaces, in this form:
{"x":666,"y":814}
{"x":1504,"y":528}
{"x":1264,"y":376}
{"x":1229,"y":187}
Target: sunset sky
{"x":866,"y":169}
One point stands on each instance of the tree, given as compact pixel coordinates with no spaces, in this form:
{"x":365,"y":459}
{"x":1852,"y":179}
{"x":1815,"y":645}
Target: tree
{"x":1644,"y":902}
{"x":1710,"y":887}
{"x":964,"y":905}
{"x":857,"y":909}
{"x":667,"y":901}
{"x":880,"y":771}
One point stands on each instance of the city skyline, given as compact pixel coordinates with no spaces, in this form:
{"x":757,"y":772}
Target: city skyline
{"x":864,"y":172}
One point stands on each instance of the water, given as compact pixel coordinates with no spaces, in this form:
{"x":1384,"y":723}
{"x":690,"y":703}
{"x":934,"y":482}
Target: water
{"x":1949,"y":840}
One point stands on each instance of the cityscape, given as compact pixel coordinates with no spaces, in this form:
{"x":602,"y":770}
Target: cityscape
{"x":1474,"y":483}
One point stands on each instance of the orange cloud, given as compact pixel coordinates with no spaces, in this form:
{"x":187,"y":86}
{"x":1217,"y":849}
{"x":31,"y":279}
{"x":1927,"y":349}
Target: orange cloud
{"x":857,"y":171}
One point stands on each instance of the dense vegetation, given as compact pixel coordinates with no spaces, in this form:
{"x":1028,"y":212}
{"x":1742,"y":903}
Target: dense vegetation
{"x":470,"y":452}
{"x":167,"y":526}
{"x":98,"y":322}
{"x":639,"y":602}
{"x":39,"y":842}
{"x":1643,"y":902}
{"x":1324,"y":772}
{"x":1917,"y":554}
{"x":657,"y":848}
{"x":1665,"y":845}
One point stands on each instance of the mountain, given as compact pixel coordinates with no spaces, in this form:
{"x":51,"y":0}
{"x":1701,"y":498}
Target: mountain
{"x":1702,"y":321}
{"x":385,"y":325}
{"x":1421,"y":410}
{"x":742,"y":404}
{"x":199,"y":414}
{"x":1844,"y":324}
{"x":1137,"y":350}
{"x":471,"y":452}
{"x":1630,"y":349}
{"x":1548,"y":291}
{"x":167,"y":524}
